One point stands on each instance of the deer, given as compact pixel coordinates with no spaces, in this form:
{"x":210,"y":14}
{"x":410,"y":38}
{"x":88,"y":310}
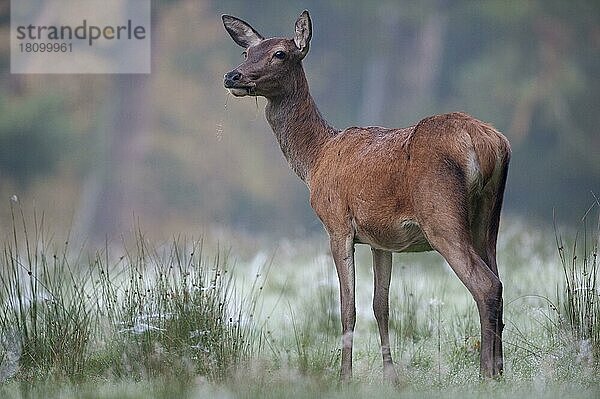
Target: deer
{"x":436,"y":185}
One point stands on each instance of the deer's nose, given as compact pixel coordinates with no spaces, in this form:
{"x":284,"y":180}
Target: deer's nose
{"x":231,"y":78}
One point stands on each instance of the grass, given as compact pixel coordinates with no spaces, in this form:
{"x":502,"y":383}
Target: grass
{"x":166,"y":312}
{"x":579,"y":303}
{"x":179,"y":320}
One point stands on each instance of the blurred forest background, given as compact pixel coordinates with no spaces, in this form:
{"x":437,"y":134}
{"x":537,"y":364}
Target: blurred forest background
{"x":171,"y":148}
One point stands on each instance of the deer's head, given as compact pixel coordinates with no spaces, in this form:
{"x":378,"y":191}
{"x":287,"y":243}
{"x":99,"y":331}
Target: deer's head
{"x":270,"y":64}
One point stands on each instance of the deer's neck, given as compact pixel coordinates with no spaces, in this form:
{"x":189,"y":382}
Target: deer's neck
{"x":298,"y":126}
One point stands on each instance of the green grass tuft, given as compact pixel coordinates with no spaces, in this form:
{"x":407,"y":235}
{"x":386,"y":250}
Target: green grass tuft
{"x":165,"y":312}
{"x":579,"y":298}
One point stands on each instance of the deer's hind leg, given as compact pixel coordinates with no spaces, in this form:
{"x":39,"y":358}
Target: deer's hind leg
{"x":447,"y":229}
{"x":484,"y":286}
{"x":485,"y":221}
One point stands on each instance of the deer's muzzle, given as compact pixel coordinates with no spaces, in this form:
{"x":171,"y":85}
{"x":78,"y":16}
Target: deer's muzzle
{"x":234,"y":82}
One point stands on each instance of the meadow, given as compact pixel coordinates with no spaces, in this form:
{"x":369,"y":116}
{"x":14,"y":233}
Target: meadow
{"x":189,"y":318}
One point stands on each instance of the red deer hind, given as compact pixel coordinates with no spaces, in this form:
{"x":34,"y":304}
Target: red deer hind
{"x":437,"y":185}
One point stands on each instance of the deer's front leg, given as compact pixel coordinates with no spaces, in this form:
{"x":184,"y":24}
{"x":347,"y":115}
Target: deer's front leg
{"x":342,"y":250}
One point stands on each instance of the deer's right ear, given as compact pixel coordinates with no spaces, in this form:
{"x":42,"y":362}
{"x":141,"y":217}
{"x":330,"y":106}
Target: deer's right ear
{"x":303,"y":33}
{"x":241,"y":32}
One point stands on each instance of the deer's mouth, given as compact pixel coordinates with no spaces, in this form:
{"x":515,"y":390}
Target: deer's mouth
{"x":241,"y":90}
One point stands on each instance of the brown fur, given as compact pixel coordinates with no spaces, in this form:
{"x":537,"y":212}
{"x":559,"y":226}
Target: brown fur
{"x":435,"y":185}
{"x":368,"y":175}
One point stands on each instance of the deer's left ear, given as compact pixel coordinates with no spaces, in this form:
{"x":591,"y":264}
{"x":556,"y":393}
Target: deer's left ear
{"x":303,"y":33}
{"x":241,"y":31}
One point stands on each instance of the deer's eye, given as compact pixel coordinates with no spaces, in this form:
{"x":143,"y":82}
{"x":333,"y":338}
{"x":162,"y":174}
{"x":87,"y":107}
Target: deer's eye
{"x":280,"y":55}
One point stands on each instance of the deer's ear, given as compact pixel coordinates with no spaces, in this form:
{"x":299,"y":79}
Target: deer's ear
{"x":241,"y":32}
{"x":303,"y":32}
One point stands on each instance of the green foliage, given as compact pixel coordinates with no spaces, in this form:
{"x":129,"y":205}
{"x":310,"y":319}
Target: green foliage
{"x":580,"y":296}
{"x":45,"y":315}
{"x":152,"y":314}
{"x":311,"y":345}
{"x":176,"y":313}
{"x":409,"y":317}
{"x":168,"y":321}
{"x":33,"y":136}
{"x":531,"y":69}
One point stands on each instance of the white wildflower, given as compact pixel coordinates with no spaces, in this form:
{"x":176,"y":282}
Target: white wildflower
{"x":198,"y":333}
{"x":584,"y":354}
{"x":141,"y":328}
{"x":200,"y":348}
{"x":435,"y":302}
{"x":152,"y":316}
